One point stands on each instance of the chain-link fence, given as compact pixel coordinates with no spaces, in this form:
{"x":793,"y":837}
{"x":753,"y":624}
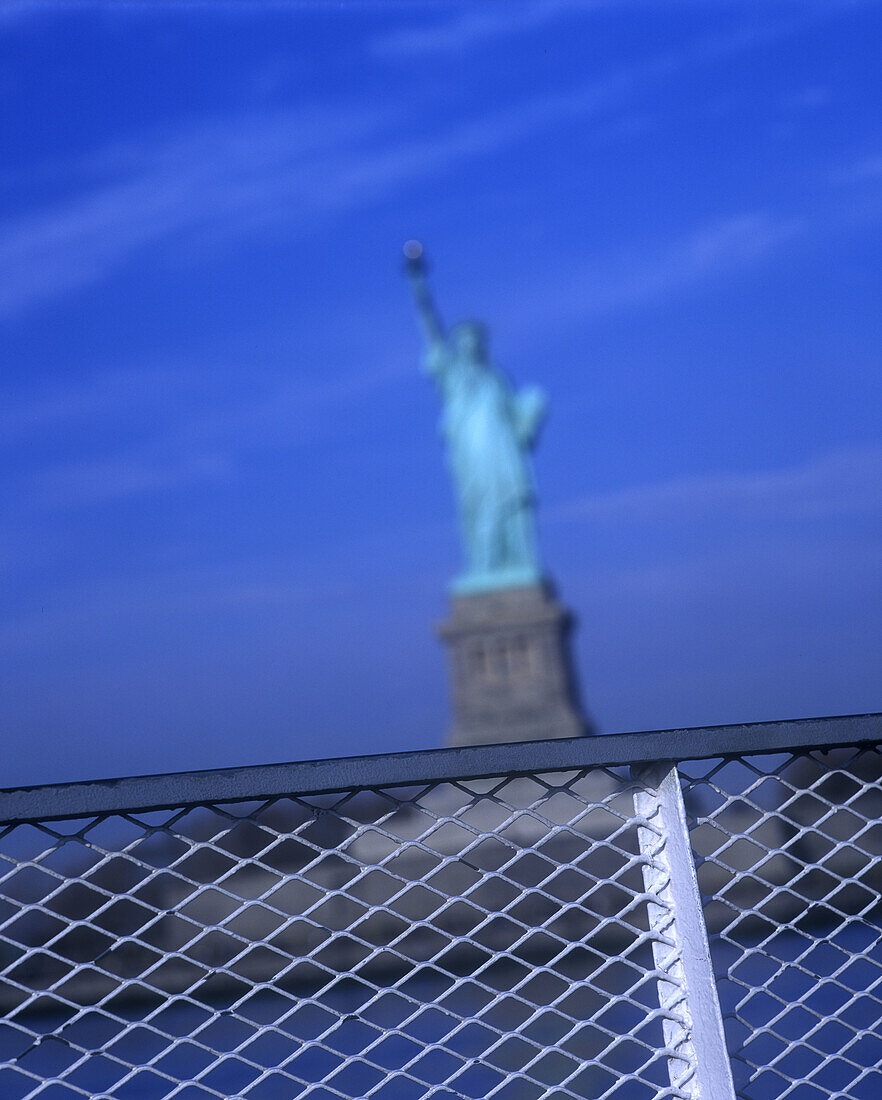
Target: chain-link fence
{"x":788,"y":849}
{"x":512,"y":922}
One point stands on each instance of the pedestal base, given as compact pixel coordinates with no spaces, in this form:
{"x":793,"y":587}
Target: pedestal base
{"x":510,"y":668}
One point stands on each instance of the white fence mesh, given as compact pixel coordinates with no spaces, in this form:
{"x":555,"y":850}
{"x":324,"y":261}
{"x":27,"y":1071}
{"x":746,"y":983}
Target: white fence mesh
{"x":788,"y":849}
{"x":481,"y":938}
{"x":517,"y":937}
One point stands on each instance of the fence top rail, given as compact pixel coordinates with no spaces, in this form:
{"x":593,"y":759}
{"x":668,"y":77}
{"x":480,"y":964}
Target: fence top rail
{"x":261,"y":781}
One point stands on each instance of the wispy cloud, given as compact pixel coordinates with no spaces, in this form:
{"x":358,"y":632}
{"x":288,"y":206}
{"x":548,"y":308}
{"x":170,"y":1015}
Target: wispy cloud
{"x":713,"y":249}
{"x":146,"y":598}
{"x":14,"y":11}
{"x":464,"y":29}
{"x":807,"y":99}
{"x":78,"y":484}
{"x":298,"y":411}
{"x":189,"y":431}
{"x":92,"y":400}
{"x":221,"y":178}
{"x":232,"y":175}
{"x":649,"y":273}
{"x":867,"y":168}
{"x":847,"y":482}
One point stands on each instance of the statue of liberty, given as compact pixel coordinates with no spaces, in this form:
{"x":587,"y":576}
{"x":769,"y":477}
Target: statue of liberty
{"x":489,"y":430}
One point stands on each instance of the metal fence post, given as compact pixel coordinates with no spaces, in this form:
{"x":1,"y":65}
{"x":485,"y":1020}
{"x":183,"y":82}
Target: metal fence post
{"x":698,"y":1059}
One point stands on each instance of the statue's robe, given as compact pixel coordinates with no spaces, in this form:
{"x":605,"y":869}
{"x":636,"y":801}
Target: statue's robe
{"x":488,"y":429}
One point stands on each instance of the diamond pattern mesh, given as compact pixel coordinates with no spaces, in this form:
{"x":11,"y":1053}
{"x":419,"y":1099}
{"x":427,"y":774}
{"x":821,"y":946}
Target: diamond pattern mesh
{"x":788,"y":851}
{"x":473,"y":938}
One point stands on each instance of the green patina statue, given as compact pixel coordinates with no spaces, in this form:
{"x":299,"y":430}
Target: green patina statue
{"x":489,"y":429}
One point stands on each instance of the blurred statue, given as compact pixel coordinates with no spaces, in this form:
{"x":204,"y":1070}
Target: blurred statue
{"x":489,"y":429}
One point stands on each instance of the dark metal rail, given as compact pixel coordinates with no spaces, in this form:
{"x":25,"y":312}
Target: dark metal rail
{"x":179,"y":789}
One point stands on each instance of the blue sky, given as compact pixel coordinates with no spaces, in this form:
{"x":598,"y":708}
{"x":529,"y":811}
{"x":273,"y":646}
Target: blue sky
{"x":227,"y":529}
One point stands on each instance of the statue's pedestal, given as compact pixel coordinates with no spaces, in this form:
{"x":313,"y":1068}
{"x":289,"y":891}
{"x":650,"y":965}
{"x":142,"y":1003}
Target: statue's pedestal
{"x":510,"y":666}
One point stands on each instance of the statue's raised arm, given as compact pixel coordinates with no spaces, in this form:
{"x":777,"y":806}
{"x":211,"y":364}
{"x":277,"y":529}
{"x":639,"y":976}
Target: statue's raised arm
{"x":489,"y":429}
{"x":415,"y":269}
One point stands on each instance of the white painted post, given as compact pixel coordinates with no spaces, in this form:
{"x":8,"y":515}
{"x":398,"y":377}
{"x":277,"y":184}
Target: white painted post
{"x":698,"y":1060}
